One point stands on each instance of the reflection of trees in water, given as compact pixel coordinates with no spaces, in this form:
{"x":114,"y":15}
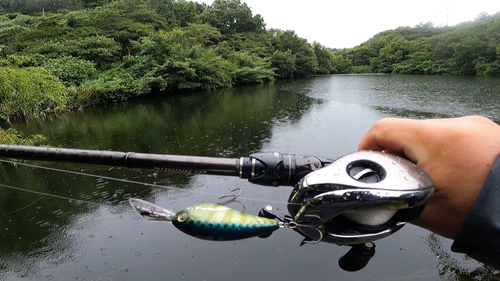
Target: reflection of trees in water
{"x":38,"y":231}
{"x":420,"y":96}
{"x":229,"y":122}
{"x":414,"y":114}
{"x":450,"y":268}
{"x":45,"y":216}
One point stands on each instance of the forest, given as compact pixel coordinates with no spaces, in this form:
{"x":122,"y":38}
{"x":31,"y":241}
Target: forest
{"x":61,"y":55}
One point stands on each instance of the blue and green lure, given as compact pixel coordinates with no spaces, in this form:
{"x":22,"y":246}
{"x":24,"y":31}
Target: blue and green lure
{"x":208,"y":221}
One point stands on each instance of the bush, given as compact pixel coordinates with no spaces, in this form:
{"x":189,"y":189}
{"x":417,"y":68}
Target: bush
{"x":209,"y":72}
{"x":168,"y":61}
{"x":97,"y":49}
{"x":19,"y":61}
{"x":250,"y":68}
{"x":362,"y":69}
{"x":112,"y":85}
{"x":12,"y":136}
{"x":484,"y":68}
{"x":284,"y":63}
{"x":29,"y":92}
{"x":70,"y":70}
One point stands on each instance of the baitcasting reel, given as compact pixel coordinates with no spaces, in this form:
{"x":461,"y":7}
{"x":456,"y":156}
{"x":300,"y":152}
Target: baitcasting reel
{"x":359,"y":198}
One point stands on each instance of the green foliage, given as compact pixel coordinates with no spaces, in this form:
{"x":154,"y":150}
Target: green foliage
{"x":361,"y":69}
{"x":31,"y":7}
{"x":466,"y":49}
{"x":111,"y":50}
{"x":206,"y":70}
{"x":98,"y":49}
{"x":390,"y":54}
{"x":70,"y":70}
{"x":112,"y":85}
{"x":189,"y":58}
{"x":484,"y":68}
{"x":114,"y":50}
{"x":45,"y":6}
{"x":284,"y":63}
{"x":29,"y":92}
{"x":306,"y":62}
{"x":418,"y":63}
{"x":250,"y":68}
{"x":177,"y":13}
{"x":12,"y":136}
{"x":179,"y":60}
{"x":325,"y":59}
{"x":232,"y":16}
{"x":2,"y":50}
{"x":254,"y":43}
{"x":19,"y":61}
{"x":193,"y":35}
{"x":186,"y":12}
{"x":123,"y":22}
{"x":341,"y":63}
{"x":11,"y":29}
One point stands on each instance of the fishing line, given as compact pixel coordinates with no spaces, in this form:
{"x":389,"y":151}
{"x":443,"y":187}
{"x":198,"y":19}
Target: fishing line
{"x":27,"y":206}
{"x":114,"y":179}
{"x":48,"y":194}
{"x":85,"y":174}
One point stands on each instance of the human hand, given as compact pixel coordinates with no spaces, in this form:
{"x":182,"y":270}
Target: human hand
{"x":457,"y":154}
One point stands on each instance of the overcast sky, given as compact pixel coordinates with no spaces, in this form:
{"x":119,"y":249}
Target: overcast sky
{"x":345,"y":24}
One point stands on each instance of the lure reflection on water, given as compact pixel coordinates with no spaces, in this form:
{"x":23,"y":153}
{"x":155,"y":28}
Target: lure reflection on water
{"x":208,"y":221}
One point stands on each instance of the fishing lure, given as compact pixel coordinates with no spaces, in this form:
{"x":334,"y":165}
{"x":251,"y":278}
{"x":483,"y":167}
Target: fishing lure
{"x":209,"y":221}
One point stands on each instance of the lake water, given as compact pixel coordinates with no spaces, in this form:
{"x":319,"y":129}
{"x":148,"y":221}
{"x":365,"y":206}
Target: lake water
{"x":58,"y":222}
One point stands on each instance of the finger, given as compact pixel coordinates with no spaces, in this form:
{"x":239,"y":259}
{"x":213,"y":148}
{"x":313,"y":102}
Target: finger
{"x":390,"y":133}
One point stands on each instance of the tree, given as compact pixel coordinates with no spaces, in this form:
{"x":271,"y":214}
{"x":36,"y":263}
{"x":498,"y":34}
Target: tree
{"x":482,"y":16}
{"x":232,"y":16}
{"x":38,"y":6}
{"x":306,"y":62}
{"x":284,"y":63}
{"x":393,"y":53}
{"x":466,"y":52}
{"x":325,"y":58}
{"x":10,"y":30}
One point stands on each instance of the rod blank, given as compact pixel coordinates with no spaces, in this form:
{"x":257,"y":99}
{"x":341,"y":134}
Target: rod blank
{"x":162,"y":162}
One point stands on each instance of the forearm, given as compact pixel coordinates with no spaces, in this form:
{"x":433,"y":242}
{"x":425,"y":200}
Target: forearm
{"x":480,"y":236}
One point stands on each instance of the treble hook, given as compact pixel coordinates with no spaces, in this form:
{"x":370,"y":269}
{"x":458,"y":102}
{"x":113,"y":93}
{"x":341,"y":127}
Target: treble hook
{"x":233,"y":198}
{"x":231,"y":195}
{"x":317,"y":227}
{"x":306,"y":241}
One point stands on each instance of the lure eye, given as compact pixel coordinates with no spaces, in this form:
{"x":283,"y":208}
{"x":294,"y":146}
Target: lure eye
{"x":182,"y":217}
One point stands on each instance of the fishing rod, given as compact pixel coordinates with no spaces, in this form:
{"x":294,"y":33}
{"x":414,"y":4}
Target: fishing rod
{"x":351,"y":201}
{"x":271,"y":169}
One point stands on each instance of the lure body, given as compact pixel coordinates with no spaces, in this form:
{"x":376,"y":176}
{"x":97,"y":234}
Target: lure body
{"x":208,"y":221}
{"x":217,"y":222}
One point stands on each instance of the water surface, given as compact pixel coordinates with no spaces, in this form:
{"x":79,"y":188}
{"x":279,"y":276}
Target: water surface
{"x":56,"y":225}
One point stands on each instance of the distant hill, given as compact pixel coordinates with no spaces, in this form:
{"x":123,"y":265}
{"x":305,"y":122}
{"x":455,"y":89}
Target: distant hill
{"x":470,"y":48}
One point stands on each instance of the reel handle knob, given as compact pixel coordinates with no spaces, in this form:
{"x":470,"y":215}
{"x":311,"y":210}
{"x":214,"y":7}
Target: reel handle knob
{"x":357,"y":257}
